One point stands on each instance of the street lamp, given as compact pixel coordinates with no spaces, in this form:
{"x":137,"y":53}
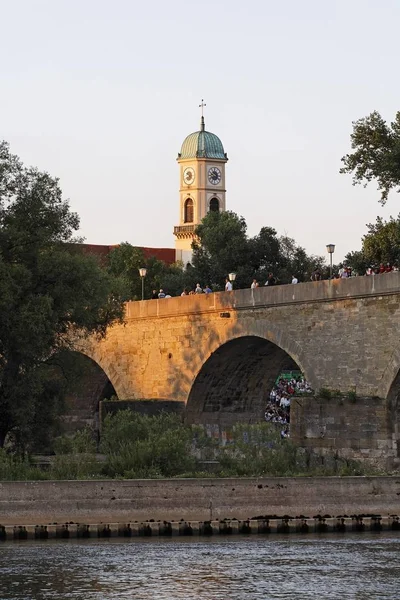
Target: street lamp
{"x":330,"y":248}
{"x":142,"y":273}
{"x":232,"y":277}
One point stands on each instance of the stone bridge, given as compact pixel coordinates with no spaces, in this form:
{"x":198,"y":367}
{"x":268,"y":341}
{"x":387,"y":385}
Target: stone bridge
{"x":219,"y":354}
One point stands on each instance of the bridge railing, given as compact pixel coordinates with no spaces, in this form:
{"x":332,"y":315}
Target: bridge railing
{"x":223,"y":302}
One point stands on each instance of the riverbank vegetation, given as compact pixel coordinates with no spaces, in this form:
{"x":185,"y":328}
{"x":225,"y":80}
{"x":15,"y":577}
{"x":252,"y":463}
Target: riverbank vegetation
{"x":135,"y":446}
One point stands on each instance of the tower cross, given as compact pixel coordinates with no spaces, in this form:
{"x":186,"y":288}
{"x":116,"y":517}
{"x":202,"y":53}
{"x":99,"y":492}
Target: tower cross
{"x":202,"y":105}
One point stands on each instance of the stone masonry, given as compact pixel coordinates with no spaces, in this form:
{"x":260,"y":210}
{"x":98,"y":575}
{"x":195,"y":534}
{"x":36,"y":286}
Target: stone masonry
{"x":219,"y":354}
{"x":343,"y":334}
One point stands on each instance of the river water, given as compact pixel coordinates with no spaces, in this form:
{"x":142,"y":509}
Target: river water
{"x":252,"y":568}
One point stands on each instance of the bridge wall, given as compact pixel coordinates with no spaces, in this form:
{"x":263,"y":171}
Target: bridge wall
{"x":343,"y":334}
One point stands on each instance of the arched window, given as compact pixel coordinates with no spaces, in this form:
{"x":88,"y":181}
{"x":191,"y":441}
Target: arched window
{"x":214,"y":204}
{"x":189,"y":212}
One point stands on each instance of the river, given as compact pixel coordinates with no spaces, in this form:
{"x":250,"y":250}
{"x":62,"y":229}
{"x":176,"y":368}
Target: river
{"x":252,"y":568}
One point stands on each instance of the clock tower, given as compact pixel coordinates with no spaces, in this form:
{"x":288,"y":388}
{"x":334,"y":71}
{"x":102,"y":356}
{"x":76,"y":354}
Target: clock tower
{"x":201,"y":185}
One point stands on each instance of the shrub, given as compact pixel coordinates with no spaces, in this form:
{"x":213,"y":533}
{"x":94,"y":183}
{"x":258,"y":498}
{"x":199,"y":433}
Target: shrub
{"x":141,"y":446}
{"x":15,"y":468}
{"x":75,"y":457}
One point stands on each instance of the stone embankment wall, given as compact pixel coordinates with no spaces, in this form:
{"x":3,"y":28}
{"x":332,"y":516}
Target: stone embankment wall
{"x":350,"y":427}
{"x":127,"y":501}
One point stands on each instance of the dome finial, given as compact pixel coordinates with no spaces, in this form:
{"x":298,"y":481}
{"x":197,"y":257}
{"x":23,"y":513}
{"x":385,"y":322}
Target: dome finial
{"x":202,"y":105}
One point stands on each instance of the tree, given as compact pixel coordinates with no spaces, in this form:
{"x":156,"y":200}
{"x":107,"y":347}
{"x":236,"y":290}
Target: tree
{"x":223,"y":246}
{"x":376,"y":153}
{"x":47,"y":288}
{"x":124,"y":263}
{"x":380,"y":245}
{"x":294,"y":260}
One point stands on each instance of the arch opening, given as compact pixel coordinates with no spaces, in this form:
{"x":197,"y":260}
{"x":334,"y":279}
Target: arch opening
{"x":214,"y":205}
{"x":84,"y":385}
{"x":189,"y":211}
{"x":394,"y":411}
{"x":235,"y":383}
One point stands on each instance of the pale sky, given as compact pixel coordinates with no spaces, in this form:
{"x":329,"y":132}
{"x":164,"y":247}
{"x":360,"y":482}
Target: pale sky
{"x":102,"y":93}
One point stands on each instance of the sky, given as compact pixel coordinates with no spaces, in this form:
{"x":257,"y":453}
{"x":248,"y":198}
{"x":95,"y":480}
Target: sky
{"x":102,"y":93}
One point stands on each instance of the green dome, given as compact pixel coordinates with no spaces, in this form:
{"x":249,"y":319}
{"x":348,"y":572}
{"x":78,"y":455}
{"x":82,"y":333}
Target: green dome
{"x":202,"y":144}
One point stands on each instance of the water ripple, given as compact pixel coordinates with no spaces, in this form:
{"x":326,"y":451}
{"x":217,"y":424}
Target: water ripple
{"x":254,"y":568}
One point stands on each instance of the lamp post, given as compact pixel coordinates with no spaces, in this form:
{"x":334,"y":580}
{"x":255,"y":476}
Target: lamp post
{"x":330,"y":248}
{"x":232,"y":277}
{"x":142,"y":273}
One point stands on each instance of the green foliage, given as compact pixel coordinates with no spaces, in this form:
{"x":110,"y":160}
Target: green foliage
{"x":16,"y":468}
{"x":47,"y":286}
{"x":75,"y":457}
{"x":257,"y":450}
{"x":222,"y":246}
{"x":82,"y":442}
{"x":325,"y":393}
{"x":376,"y":153}
{"x":124,"y":263}
{"x":352,"y":396}
{"x":381,"y":244}
{"x":358,"y":262}
{"x":139,"y":446}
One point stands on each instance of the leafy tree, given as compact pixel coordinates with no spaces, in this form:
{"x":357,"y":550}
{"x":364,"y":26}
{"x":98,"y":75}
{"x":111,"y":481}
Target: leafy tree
{"x":125,"y":261}
{"x":265,"y":254}
{"x":294,"y":260}
{"x":357,"y":261}
{"x":223,"y":246}
{"x":376,"y":153}
{"x":381,"y":244}
{"x":47,"y":287}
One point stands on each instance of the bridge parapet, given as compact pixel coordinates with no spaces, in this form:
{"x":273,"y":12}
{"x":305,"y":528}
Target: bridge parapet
{"x":312,"y":292}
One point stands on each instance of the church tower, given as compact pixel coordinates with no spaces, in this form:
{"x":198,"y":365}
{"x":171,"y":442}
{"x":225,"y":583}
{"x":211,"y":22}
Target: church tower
{"x":202,"y":185}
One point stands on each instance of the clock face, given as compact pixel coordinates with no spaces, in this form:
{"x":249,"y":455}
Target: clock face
{"x":214,"y":175}
{"x":188,"y":176}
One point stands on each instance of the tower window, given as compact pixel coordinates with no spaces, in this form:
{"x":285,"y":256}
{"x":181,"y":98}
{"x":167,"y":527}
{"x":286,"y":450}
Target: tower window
{"x":214,"y":204}
{"x":189,"y":212}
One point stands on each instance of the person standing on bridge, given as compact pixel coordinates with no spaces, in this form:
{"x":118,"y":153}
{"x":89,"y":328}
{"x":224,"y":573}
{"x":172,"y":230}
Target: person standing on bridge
{"x":271,"y":279}
{"x":228,"y":285}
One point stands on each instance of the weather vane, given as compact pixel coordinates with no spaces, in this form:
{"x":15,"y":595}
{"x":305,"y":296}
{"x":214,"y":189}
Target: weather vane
{"x":202,"y":105}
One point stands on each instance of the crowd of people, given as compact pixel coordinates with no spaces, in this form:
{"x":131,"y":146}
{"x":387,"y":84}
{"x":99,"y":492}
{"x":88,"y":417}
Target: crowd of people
{"x":278,"y":406}
{"x":343,"y":273}
{"x":388,"y":268}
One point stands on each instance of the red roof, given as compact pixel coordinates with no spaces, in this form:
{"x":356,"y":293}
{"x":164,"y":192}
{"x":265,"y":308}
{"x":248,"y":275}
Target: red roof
{"x":167,"y":255}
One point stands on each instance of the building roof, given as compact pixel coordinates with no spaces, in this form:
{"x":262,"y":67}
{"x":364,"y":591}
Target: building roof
{"x":202,"y":144}
{"x":167,"y":255}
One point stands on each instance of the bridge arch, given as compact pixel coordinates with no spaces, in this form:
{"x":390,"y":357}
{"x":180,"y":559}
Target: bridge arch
{"x":389,"y":385}
{"x":235,"y":379}
{"x":98,"y":351}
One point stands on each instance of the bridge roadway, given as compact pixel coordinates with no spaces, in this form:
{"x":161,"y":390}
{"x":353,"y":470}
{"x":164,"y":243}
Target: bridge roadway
{"x":223,"y":351}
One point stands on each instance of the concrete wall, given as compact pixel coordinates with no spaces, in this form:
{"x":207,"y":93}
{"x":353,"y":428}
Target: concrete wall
{"x":195,"y":499}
